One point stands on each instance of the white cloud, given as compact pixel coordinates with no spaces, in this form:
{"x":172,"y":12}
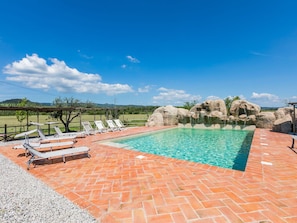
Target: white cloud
{"x":144,"y":89}
{"x":34,"y":72}
{"x":266,"y":96}
{"x":132,"y":59}
{"x":124,"y":66}
{"x":174,"y":97}
{"x":212,"y":97}
{"x":266,"y":99}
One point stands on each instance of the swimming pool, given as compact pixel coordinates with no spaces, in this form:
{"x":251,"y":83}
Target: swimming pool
{"x":223,"y":148}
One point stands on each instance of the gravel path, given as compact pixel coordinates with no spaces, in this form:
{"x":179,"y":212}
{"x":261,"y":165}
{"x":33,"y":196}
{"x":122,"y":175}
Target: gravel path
{"x":23,"y":198}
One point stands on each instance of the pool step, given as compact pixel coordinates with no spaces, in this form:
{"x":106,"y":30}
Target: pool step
{"x":118,"y":145}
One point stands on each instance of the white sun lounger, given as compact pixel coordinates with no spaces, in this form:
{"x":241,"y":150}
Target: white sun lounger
{"x":44,"y":139}
{"x":73,"y":134}
{"x":88,"y":128}
{"x":119,"y":124}
{"x":41,"y":144}
{"x":111,"y":125}
{"x":46,"y":146}
{"x":100,"y":127}
{"x":36,"y":155}
{"x":51,"y":146}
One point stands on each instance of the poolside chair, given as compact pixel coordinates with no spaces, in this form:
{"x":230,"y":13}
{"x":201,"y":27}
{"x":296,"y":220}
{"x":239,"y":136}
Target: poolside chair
{"x":88,"y":128}
{"x":111,"y":125}
{"x":36,"y":155}
{"x":100,"y":126}
{"x":59,"y":133}
{"x":119,"y":124}
{"x":44,"y":139}
{"x":25,"y":134}
{"x":46,"y":146}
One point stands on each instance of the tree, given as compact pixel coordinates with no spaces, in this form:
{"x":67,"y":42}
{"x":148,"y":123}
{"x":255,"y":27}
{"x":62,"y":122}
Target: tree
{"x":66,"y":116}
{"x":228,"y":102}
{"x":189,"y":105}
{"x":21,"y":114}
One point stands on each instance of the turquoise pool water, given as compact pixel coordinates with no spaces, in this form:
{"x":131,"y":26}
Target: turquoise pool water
{"x":223,"y":148}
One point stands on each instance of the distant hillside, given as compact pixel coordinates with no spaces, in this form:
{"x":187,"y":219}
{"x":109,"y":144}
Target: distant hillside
{"x":269,"y":108}
{"x":11,"y":101}
{"x":18,"y":100}
{"x":14,"y":102}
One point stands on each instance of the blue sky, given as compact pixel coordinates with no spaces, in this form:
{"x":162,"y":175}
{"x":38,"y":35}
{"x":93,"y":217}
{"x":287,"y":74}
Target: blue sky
{"x":149,"y":52}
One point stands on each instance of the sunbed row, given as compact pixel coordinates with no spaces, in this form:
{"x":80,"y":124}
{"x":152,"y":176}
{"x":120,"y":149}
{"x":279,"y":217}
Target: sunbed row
{"x":62,"y":144}
{"x":68,"y":139}
{"x":46,"y":148}
{"x":113,"y":125}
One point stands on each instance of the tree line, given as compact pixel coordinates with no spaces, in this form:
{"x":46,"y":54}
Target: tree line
{"x":66,"y":116}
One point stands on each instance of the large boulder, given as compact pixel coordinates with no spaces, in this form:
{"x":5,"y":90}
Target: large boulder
{"x":265,"y":120}
{"x":216,"y":106}
{"x":169,"y":109}
{"x":243,"y":107}
{"x":252,"y":118}
{"x":182,"y":112}
{"x":284,"y":120}
{"x":279,"y":121}
{"x":283,"y":124}
{"x":210,"y":108}
{"x":167,"y":115}
{"x":156,"y":119}
{"x":283,"y":112}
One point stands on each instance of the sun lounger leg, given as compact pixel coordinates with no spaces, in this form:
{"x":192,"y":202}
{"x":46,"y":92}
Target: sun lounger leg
{"x":293,"y":142}
{"x":31,"y":160}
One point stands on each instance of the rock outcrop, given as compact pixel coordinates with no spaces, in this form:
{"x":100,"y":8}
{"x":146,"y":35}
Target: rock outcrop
{"x":265,"y":120}
{"x":156,"y":119}
{"x":210,"y":108}
{"x":167,"y":115}
{"x":215,"y":111}
{"x":244,"y":108}
{"x":283,"y":124}
{"x":284,"y":120}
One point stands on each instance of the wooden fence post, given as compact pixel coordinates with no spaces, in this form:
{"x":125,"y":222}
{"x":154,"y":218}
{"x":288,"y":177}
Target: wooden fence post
{"x":5,"y":132}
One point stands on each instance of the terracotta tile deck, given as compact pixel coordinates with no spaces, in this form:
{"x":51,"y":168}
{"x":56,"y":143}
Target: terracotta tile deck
{"x":115,"y":186}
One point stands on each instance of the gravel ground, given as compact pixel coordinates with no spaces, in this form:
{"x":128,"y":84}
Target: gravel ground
{"x":23,"y":198}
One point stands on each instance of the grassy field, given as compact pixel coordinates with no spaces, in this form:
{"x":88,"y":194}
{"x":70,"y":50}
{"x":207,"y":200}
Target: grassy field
{"x":14,"y":126}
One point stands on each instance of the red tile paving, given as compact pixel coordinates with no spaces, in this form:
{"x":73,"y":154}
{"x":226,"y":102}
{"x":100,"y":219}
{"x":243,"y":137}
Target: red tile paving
{"x":115,"y":186}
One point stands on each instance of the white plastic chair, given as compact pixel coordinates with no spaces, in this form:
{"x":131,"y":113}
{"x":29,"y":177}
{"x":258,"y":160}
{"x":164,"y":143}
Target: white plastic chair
{"x":111,"y":125}
{"x":100,"y":126}
{"x":120,"y":125}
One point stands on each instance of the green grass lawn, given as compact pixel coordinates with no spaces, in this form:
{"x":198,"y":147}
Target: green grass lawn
{"x":14,"y":126}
